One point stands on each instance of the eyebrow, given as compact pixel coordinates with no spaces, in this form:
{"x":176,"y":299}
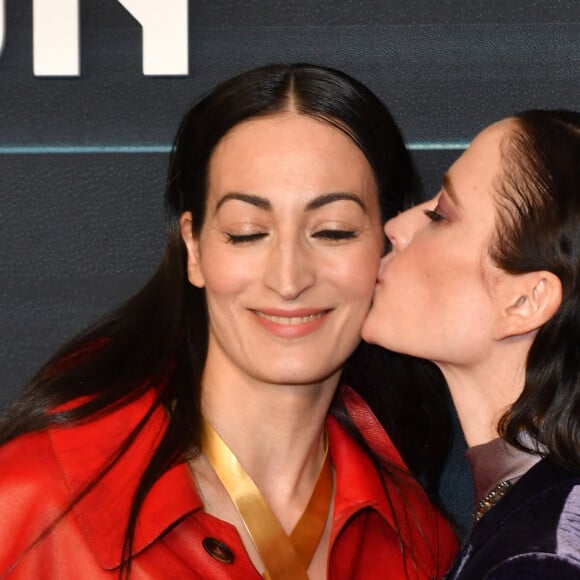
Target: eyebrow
{"x":332,"y":197}
{"x":450,"y":190}
{"x":256,"y":200}
{"x":263,"y":203}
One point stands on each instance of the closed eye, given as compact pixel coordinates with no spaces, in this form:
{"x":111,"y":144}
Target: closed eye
{"x":245,"y":238}
{"x":335,"y":235}
{"x":433,"y":215}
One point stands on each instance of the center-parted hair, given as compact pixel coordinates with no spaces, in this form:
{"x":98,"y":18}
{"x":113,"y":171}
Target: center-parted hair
{"x":158,"y":339}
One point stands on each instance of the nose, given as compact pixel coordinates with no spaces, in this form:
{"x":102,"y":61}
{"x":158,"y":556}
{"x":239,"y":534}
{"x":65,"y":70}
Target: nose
{"x":401,"y":229}
{"x":290,"y":269}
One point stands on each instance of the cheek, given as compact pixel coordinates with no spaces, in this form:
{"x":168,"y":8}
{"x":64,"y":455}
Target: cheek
{"x":357,"y":273}
{"x":408,"y":272}
{"x":224,"y":272}
{"x":412,"y":288}
{"x":447,"y":292}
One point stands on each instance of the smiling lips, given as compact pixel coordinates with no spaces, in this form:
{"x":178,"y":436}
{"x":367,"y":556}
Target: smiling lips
{"x":292,"y":320}
{"x":291,"y":324}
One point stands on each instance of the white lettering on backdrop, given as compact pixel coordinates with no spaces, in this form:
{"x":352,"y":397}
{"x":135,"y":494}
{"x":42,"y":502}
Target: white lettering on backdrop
{"x":56,"y":36}
{"x":2,"y":25}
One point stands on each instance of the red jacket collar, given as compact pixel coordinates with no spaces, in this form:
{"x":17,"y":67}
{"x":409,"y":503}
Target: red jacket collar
{"x":83,"y":450}
{"x":397,"y":497}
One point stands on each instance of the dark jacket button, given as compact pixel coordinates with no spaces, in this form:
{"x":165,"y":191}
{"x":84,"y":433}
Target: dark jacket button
{"x":218,"y":550}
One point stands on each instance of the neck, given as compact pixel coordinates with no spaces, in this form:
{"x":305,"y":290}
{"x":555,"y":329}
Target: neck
{"x":275,"y":431}
{"x":482,"y":393}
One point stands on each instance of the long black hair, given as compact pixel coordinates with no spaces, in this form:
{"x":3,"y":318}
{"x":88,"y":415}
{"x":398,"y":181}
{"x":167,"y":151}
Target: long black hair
{"x":539,"y":229}
{"x":159,"y":337}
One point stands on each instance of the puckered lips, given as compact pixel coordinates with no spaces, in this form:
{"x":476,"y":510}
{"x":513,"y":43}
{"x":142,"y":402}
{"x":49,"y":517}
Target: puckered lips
{"x":291,"y":323}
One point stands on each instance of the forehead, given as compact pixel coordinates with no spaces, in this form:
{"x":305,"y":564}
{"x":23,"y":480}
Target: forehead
{"x":281,"y":127}
{"x":484,"y":155}
{"x":291,"y":146}
{"x":476,"y":172}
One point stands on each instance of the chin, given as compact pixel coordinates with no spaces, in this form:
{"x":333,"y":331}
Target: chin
{"x":367,"y":333}
{"x":299,"y":377}
{"x":379,"y":337}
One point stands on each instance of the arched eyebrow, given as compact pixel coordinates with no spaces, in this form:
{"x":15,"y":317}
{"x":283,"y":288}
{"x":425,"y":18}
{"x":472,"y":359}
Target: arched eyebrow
{"x":332,"y":197}
{"x":317,"y":202}
{"x":450,"y":190}
{"x":256,"y":200}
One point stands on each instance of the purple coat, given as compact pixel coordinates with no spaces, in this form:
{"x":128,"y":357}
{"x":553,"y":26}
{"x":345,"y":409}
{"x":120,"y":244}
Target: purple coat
{"x":532,"y":533}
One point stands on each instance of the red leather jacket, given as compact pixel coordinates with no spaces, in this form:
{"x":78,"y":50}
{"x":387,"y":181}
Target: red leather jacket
{"x":175,"y":538}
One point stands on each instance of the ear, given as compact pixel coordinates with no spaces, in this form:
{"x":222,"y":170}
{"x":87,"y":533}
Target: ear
{"x":532,"y":300}
{"x":194,"y":269}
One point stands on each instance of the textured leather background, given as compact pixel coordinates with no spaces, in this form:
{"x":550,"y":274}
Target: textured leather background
{"x":79,"y":234}
{"x":444,"y":71}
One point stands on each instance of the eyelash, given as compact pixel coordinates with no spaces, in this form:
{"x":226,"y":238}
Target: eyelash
{"x":335,"y":235}
{"x":433,"y":215}
{"x":332,"y":235}
{"x":245,"y":238}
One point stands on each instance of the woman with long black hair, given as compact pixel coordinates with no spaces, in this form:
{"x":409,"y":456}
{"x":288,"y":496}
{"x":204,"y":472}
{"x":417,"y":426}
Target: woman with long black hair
{"x":200,"y":431}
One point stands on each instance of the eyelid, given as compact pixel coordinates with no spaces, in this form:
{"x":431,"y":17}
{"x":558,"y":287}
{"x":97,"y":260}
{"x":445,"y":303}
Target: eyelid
{"x":244,"y":238}
{"x":433,"y":215}
{"x":335,"y":234}
{"x":437,"y":214}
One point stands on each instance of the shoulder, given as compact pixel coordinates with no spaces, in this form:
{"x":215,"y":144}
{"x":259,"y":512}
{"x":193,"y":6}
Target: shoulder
{"x":29,"y":468}
{"x":44,"y":470}
{"x":370,"y":427}
{"x":535,"y":528}
{"x":45,"y":475}
{"x":403,"y":502}
{"x":536,"y":566}
{"x":548,"y":494}
{"x":568,"y":531}
{"x":32,"y":494}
